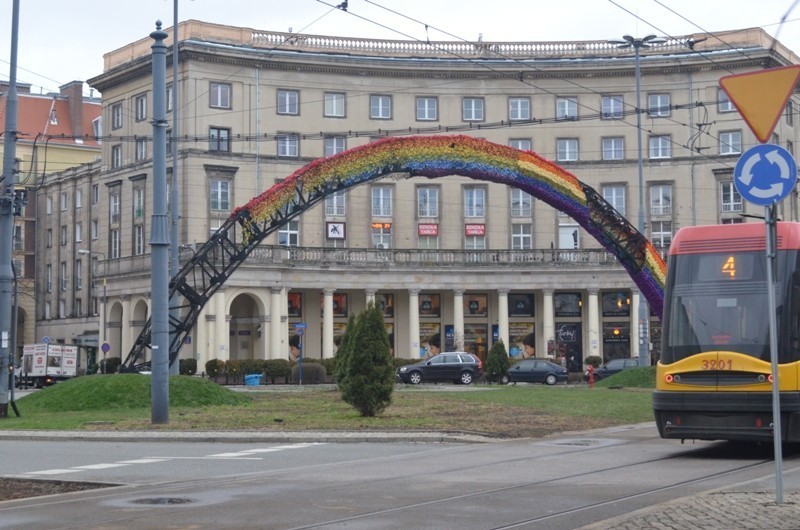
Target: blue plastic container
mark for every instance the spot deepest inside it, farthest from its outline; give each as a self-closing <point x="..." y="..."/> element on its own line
<point x="252" y="380"/>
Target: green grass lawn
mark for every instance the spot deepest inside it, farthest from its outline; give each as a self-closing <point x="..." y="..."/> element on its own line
<point x="122" y="402"/>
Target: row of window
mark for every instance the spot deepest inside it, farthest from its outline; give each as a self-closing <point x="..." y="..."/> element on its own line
<point x="567" y="149"/>
<point x="473" y="108"/>
<point x="520" y="201"/>
<point x="428" y="200"/>
<point x="427" y="107"/>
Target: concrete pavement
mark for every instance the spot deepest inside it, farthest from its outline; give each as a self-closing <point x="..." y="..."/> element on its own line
<point x="749" y="506"/>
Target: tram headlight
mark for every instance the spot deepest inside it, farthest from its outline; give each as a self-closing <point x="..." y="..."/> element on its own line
<point x="761" y="378"/>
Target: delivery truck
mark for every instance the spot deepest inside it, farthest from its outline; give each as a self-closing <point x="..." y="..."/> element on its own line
<point x="46" y="364"/>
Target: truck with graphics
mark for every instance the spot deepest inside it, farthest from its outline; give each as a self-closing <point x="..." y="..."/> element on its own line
<point x="46" y="364"/>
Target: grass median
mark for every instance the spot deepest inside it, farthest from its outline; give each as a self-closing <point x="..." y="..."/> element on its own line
<point x="122" y="402"/>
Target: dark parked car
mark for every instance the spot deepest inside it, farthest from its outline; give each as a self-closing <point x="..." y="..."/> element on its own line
<point x="611" y="367"/>
<point x="459" y="367"/>
<point x="537" y="371"/>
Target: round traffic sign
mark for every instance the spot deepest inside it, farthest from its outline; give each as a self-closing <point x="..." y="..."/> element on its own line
<point x="46" y="339"/>
<point x="765" y="174"/>
<point x="106" y="347"/>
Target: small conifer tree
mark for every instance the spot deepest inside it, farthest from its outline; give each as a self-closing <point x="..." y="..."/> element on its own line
<point x="369" y="370"/>
<point x="497" y="363"/>
<point x="340" y="366"/>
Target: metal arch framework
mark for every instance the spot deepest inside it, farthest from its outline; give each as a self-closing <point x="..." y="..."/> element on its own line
<point x="430" y="156"/>
<point x="211" y="265"/>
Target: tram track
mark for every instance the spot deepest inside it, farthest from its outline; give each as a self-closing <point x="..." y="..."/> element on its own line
<point x="340" y="503"/>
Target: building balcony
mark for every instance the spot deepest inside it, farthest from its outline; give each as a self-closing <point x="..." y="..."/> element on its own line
<point x="281" y="257"/>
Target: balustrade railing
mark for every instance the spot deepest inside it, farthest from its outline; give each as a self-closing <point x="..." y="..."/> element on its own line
<point x="449" y="49"/>
<point x="370" y="257"/>
<point x="365" y="258"/>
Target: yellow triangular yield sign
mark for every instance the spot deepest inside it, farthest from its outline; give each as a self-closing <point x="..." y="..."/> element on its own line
<point x="761" y="96"/>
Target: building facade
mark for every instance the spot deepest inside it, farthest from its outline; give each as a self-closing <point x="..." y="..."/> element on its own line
<point x="471" y="260"/>
<point x="54" y="132"/>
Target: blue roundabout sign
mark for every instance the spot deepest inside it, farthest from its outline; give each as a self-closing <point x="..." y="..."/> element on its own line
<point x="765" y="174"/>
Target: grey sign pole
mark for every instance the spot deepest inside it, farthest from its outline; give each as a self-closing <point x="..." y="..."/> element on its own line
<point x="159" y="238"/>
<point x="6" y="214"/>
<point x="772" y="230"/>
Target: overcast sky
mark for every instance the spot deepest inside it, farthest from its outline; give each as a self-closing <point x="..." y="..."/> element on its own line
<point x="62" y="41"/>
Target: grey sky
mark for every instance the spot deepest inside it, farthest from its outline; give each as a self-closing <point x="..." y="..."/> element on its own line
<point x="59" y="43"/>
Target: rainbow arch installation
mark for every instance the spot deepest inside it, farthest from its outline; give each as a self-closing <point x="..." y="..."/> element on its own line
<point x="426" y="156"/>
<point x="438" y="156"/>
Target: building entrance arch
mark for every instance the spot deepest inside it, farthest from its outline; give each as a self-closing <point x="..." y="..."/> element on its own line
<point x="414" y="156"/>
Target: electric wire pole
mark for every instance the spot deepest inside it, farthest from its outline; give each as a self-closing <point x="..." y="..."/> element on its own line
<point x="7" y="215"/>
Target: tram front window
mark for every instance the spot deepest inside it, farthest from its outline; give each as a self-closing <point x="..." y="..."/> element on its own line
<point x="729" y="321"/>
<point x="716" y="302"/>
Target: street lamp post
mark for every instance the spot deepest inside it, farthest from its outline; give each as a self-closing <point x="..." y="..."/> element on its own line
<point x="103" y="326"/>
<point x="644" y="311"/>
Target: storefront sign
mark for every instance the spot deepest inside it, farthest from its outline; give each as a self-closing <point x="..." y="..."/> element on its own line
<point x="475" y="230"/>
<point x="428" y="230"/>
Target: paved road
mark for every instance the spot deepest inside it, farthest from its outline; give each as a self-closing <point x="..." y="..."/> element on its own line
<point x="615" y="478"/>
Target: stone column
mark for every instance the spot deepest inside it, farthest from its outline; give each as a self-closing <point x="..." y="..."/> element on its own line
<point x="413" y="323"/>
<point x="201" y="341"/>
<point x="594" y="323"/>
<point x="221" y="323"/>
<point x="502" y="317"/>
<point x="275" y="342"/>
<point x="548" y="323"/>
<point x="327" y="323"/>
<point x="211" y="324"/>
<point x="458" y="320"/>
<point x="370" y="296"/>
<point x="635" y="300"/>
<point x="125" y="328"/>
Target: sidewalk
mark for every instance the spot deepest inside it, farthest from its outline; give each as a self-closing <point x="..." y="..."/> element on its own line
<point x="722" y="510"/>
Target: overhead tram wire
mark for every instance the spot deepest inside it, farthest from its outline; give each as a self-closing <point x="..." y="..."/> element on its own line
<point x="691" y="47"/>
<point x="434" y="129"/>
<point x="782" y="21"/>
<point x="738" y="50"/>
<point x="688" y="44"/>
<point x="587" y="89"/>
<point x="266" y="50"/>
<point x="513" y="59"/>
<point x="709" y="33"/>
<point x="456" y="128"/>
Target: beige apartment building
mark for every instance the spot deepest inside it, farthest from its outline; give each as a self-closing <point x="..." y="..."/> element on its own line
<point x="55" y="131"/>
<point x="473" y="260"/>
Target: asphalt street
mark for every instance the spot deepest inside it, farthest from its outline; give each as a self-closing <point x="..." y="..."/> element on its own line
<point x="623" y="478"/>
<point x="614" y="478"/>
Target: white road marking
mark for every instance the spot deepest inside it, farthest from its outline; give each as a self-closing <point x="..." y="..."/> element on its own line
<point x="241" y="455"/>
<point x="280" y="448"/>
<point x="52" y="472"/>
<point x="101" y="466"/>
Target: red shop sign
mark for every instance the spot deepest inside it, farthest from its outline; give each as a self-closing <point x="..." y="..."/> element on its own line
<point x="428" y="230"/>
<point x="475" y="230"/>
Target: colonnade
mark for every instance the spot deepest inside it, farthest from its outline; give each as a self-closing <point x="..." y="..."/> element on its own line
<point x="212" y="334"/>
